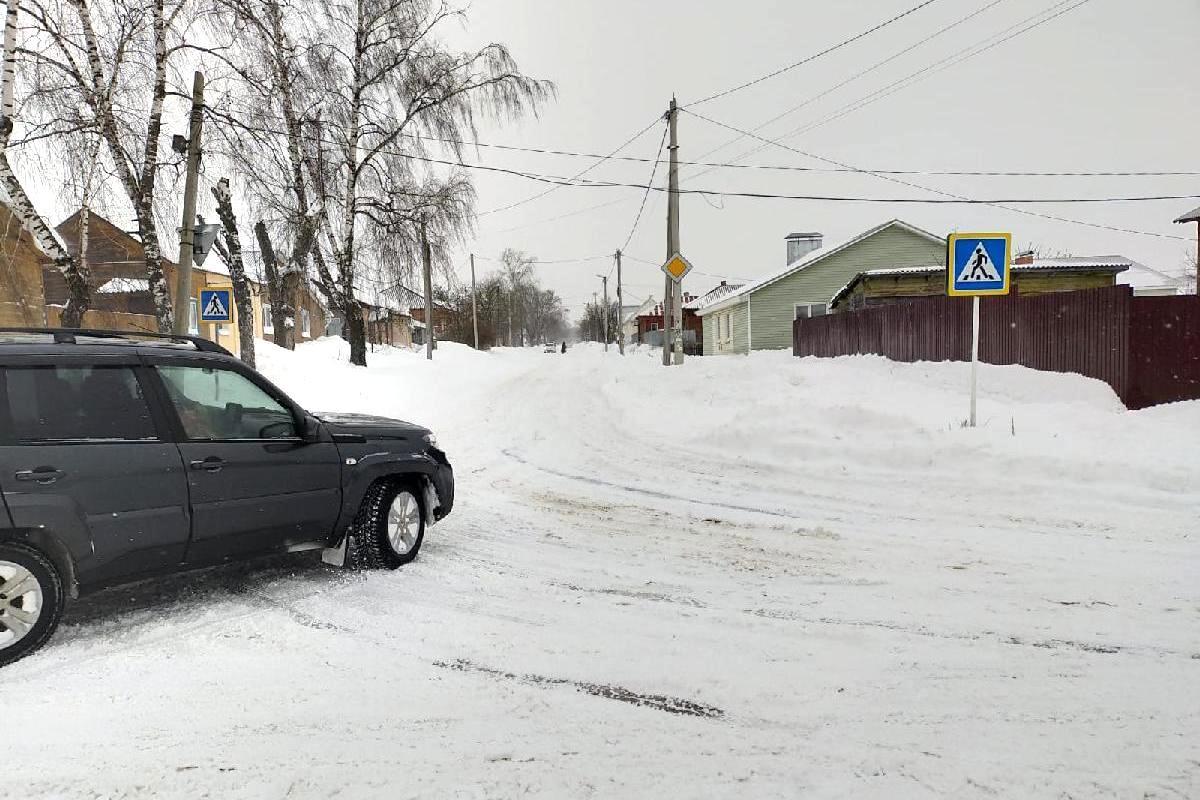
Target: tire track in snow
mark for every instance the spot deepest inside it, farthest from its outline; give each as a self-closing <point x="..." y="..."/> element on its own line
<point x="659" y="702"/>
<point x="646" y="492"/>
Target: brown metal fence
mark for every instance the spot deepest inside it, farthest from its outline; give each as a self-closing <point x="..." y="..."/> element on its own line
<point x="1146" y="348"/>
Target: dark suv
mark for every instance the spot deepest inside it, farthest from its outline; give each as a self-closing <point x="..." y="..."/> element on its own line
<point x="124" y="456"/>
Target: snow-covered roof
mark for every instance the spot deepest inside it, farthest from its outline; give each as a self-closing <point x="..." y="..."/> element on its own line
<point x="811" y="258"/>
<point x="713" y="295"/>
<point x="1139" y="276"/>
<point x="389" y="296"/>
<point x="1114" y="264"/>
<point x="637" y="311"/>
<point x="124" y="286"/>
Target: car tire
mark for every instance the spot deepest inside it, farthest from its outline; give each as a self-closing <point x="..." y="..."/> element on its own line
<point x="389" y="528"/>
<point x="33" y="611"/>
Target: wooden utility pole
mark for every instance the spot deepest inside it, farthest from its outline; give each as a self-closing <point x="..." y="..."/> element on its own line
<point x="474" y="305"/>
<point x="183" y="274"/>
<point x="604" y="278"/>
<point x="427" y="268"/>
<point x="673" y="291"/>
<point x="620" y="309"/>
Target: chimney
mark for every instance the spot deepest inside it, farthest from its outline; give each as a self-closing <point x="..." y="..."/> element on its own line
<point x="1024" y="257"/>
<point x="801" y="244"/>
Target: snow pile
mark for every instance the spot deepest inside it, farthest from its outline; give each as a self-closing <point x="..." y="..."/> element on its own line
<point x="745" y="577"/>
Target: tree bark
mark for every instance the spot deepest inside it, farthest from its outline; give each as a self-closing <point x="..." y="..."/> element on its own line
<point x="356" y="334"/>
<point x="283" y="314"/>
<point x="237" y="270"/>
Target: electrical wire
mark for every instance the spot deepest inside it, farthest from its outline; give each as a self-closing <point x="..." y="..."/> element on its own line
<point x="856" y="76"/>
<point x="949" y="197"/>
<point x="577" y="175"/>
<point x="815" y="56"/>
<point x="649" y="183"/>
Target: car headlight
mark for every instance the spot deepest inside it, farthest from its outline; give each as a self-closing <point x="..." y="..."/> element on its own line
<point x="431" y="440"/>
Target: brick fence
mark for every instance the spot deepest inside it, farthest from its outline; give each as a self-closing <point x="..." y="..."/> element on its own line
<point x="1146" y="348"/>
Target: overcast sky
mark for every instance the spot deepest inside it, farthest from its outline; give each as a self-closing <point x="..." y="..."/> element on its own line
<point x="1108" y="86"/>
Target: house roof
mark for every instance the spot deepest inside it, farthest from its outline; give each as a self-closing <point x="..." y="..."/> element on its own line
<point x="689" y="301"/>
<point x="713" y="295"/>
<point x="636" y="311"/>
<point x="1112" y="264"/>
<point x="1191" y="216"/>
<point x="806" y="261"/>
<point x="1139" y="276"/>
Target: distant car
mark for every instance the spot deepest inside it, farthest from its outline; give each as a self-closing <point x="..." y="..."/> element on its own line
<point x="127" y="455"/>
<point x="550" y="347"/>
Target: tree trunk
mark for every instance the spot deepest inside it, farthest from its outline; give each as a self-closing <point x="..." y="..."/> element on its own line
<point x="356" y="333"/>
<point x="237" y="270"/>
<point x="283" y="315"/>
<point x="71" y="268"/>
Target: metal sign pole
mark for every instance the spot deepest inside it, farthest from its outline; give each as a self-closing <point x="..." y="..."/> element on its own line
<point x="974" y="354"/>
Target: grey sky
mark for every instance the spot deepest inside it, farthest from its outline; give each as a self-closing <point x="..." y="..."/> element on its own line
<point x="1107" y="86"/>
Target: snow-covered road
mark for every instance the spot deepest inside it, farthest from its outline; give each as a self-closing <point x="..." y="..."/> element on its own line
<point x="750" y="577"/>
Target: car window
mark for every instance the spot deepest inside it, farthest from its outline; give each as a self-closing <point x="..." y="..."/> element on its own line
<point x="222" y="404"/>
<point x="54" y="404"/>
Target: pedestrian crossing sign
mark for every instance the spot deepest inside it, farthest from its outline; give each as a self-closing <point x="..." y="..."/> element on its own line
<point x="979" y="263"/>
<point x="215" y="305"/>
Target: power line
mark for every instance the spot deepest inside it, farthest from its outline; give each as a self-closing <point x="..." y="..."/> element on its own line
<point x="782" y="167"/>
<point x="859" y="74"/>
<point x="942" y="65"/>
<point x="948" y="196"/>
<point x="577" y="175"/>
<point x="815" y="56"/>
<point x="649" y="183"/>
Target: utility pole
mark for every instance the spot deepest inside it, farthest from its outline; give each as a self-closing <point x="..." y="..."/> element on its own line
<point x="428" y="270"/>
<point x="474" y="306"/>
<point x="673" y="291"/>
<point x="620" y="309"/>
<point x="183" y="275"/>
<point x="604" y="278"/>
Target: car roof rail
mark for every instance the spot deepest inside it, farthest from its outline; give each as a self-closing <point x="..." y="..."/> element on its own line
<point x="67" y="336"/>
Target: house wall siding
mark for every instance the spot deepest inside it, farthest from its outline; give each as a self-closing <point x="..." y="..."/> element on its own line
<point x="774" y="305"/>
<point x="737" y="345"/>
<point x="22" y="302"/>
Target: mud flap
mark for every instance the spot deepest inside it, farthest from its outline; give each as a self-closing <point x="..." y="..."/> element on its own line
<point x="336" y="556"/>
<point x="432" y="503"/>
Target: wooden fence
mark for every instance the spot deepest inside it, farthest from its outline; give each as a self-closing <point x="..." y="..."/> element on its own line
<point x="1146" y="348"/>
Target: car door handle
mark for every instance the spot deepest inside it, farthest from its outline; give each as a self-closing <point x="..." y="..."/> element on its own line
<point x="210" y="464"/>
<point x="40" y="474"/>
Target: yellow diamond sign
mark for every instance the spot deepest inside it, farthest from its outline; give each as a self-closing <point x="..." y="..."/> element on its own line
<point x="676" y="267"/>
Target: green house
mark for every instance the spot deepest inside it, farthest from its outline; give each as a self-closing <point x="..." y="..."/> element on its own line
<point x="759" y="316"/>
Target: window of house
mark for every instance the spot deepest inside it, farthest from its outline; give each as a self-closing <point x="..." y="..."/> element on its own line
<point x="220" y="404"/>
<point x="194" y="317"/>
<point x="268" y="322"/>
<point x="54" y="404"/>
<point x="305" y="324"/>
<point x="810" y="310"/>
<point x="653" y="326"/>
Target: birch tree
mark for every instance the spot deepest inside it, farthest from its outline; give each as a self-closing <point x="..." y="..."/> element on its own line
<point x="72" y="269"/>
<point x="109" y="72"/>
<point x="262" y="125"/>
<point x="388" y="83"/>
<point x="231" y="252"/>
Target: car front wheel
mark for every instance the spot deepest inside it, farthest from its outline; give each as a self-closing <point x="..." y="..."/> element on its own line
<point x="390" y="527"/>
<point x="31" y="600"/>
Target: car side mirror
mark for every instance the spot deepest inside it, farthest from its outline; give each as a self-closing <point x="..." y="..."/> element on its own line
<point x="310" y="429"/>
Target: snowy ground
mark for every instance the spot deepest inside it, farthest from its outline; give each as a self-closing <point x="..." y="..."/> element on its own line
<point x="762" y="577"/>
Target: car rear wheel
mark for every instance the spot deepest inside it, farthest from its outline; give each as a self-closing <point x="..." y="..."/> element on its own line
<point x="31" y="600"/>
<point x="390" y="527"/>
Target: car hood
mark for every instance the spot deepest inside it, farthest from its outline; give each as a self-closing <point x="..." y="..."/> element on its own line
<point x="370" y="426"/>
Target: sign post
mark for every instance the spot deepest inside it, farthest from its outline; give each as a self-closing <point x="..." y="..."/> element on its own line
<point x="978" y="265"/>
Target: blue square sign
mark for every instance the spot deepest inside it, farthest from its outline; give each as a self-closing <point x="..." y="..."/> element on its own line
<point x="216" y="305"/>
<point x="979" y="263"/>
